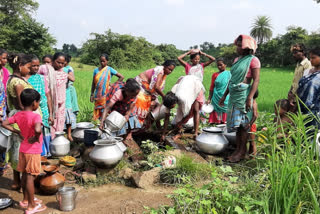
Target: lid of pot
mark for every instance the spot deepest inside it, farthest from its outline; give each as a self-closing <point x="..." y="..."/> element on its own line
<point x="212" y="130"/>
<point x="85" y="125"/>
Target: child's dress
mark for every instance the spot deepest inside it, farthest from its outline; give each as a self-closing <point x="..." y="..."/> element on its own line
<point x="196" y="70"/>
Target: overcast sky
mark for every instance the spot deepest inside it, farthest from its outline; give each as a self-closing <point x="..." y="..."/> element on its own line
<point x="180" y="22"/>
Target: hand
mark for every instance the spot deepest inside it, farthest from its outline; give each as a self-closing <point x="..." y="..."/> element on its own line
<point x="221" y="101"/>
<point x="201" y="53"/>
<point x="101" y="127"/>
<point x="249" y="104"/>
<point x="91" y="98"/>
<point x="291" y="98"/>
<point x="127" y="117"/>
<point x="208" y="102"/>
<point x="51" y="121"/>
<point x="163" y="138"/>
<point x="189" y="52"/>
<point x="33" y="140"/>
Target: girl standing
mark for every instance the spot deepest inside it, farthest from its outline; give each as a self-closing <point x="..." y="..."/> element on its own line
<point x="219" y="84"/>
<point x="58" y="84"/>
<point x="4" y="73"/>
<point x="41" y="86"/>
<point x="196" y="68"/>
<point x="309" y="89"/>
<point x="72" y="107"/>
<point x="20" y="64"/>
<point x="100" y="85"/>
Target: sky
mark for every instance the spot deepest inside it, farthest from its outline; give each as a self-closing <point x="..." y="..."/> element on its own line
<point x="183" y="23"/>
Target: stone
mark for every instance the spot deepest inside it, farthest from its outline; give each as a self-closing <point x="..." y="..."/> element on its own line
<point x="87" y="176"/>
<point x="126" y="173"/>
<point x="147" y="179"/>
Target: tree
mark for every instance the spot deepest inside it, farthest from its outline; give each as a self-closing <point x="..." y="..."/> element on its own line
<point x="19" y="32"/>
<point x="261" y="29"/>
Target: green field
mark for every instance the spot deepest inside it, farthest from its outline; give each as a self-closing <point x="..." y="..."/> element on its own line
<point x="274" y="84"/>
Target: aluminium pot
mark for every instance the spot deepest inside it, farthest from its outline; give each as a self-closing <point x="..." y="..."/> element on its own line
<point x="114" y="122"/>
<point x="60" y="146"/>
<point x="159" y="112"/>
<point x="106" y="153"/>
<point x="66" y="197"/>
<point x="78" y="133"/>
<point x="212" y="141"/>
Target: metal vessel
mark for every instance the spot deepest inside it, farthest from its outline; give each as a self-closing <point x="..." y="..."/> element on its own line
<point x="212" y="141"/>
<point x="60" y="146"/>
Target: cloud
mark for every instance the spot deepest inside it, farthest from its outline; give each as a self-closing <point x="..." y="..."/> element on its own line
<point x="175" y="2"/>
<point x="84" y="23"/>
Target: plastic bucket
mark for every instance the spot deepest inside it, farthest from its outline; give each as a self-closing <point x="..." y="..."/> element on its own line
<point x="90" y="136"/>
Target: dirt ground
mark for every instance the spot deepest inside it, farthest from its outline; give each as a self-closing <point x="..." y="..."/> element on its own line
<point x="109" y="199"/>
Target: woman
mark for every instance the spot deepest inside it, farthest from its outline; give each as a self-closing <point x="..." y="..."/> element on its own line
<point x="40" y="85"/>
<point x="219" y="84"/>
<point x="100" y="85"/>
<point x="152" y="83"/>
<point x="309" y="89"/>
<point x="189" y="93"/>
<point x="245" y="75"/>
<point x="20" y="64"/>
<point x="121" y="97"/>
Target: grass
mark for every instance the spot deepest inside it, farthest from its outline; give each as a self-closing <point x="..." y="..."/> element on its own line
<point x="274" y="84"/>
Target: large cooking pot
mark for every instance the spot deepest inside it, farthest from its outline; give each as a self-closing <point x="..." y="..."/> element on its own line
<point x="231" y="137"/>
<point x="106" y="153"/>
<point x="60" y="146"/>
<point x="78" y="133"/>
<point x="114" y="122"/>
<point x="212" y="141"/>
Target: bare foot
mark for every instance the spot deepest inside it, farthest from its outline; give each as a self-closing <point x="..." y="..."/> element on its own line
<point x="236" y="158"/>
<point x="176" y="137"/>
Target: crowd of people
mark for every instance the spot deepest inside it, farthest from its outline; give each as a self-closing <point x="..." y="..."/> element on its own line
<point x="36" y="101"/>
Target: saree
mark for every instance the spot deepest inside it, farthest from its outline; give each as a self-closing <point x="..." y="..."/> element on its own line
<point x="71" y="94"/>
<point x="220" y="87"/>
<point x="101" y="81"/>
<point x="37" y="81"/>
<point x="239" y="91"/>
<point x="147" y="94"/>
<point x="309" y="93"/>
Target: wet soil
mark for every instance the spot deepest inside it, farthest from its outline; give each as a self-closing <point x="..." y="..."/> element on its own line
<point x="108" y="199"/>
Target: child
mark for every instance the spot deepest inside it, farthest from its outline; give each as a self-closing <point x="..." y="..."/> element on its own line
<point x="253" y="126"/>
<point x="4" y="73"/>
<point x="196" y="68"/>
<point x="121" y="97"/>
<point x="72" y="107"/>
<point x="30" y="148"/>
<point x="39" y="83"/>
<point x="58" y="86"/>
<point x="219" y="84"/>
<point x="281" y="108"/>
<point x="47" y="59"/>
<point x="100" y="85"/>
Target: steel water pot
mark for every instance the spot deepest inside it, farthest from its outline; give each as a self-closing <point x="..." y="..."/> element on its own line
<point x="114" y="122"/>
<point x="66" y="197"/>
<point x="60" y="146"/>
<point x="212" y="141"/>
<point x="78" y="133"/>
<point x="106" y="153"/>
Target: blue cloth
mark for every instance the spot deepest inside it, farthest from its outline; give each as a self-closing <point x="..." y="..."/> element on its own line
<point x="309" y="93"/>
<point x="112" y="71"/>
<point x="133" y="123"/>
<point x="46" y="141"/>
